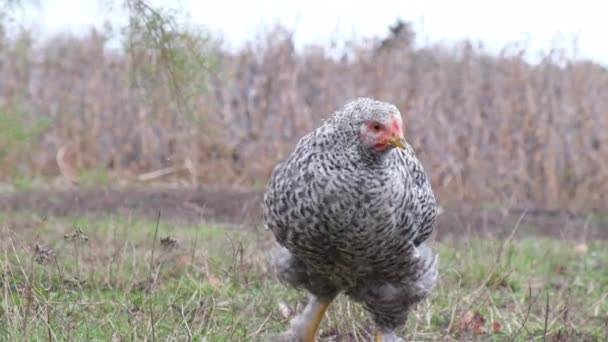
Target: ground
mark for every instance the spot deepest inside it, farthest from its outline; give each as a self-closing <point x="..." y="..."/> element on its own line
<point x="98" y="265"/>
<point x="187" y="206"/>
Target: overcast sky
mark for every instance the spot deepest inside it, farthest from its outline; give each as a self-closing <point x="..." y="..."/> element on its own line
<point x="540" y="23"/>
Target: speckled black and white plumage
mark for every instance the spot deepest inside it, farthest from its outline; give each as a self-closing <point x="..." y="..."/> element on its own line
<point x="350" y="220"/>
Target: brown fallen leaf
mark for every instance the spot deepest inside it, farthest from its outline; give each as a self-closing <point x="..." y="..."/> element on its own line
<point x="213" y="280"/>
<point x="466" y="319"/>
<point x="285" y="311"/>
<point x="184" y="260"/>
<point x="473" y="321"/>
<point x="581" y="248"/>
<point x="559" y="269"/>
<point x="496" y="327"/>
<point x="479" y="328"/>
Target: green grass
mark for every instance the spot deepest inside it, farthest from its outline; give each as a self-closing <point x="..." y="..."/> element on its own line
<point x="105" y="279"/>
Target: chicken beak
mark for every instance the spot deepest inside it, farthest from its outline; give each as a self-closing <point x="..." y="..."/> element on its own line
<point x="398" y="142"/>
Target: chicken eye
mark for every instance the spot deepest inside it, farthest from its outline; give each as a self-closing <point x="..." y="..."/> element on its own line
<point x="376" y="126"/>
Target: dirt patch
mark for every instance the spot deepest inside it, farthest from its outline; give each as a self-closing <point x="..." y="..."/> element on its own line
<point x="196" y="205"/>
<point x="529" y="222"/>
<point x="176" y="205"/>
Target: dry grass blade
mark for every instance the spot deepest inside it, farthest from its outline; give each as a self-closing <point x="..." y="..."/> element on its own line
<point x="151" y="278"/>
<point x="48" y="323"/>
<point x="546" y="319"/>
<point x="525" y="320"/>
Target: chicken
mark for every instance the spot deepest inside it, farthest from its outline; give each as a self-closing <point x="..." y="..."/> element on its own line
<point x="351" y="209"/>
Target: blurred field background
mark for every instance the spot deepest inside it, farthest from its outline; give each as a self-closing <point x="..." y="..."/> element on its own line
<point x="96" y="140"/>
<point x="491" y="129"/>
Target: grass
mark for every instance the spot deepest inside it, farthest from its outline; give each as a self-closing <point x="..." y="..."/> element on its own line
<point x="110" y="279"/>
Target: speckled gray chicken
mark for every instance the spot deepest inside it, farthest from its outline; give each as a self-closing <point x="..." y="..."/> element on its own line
<point x="351" y="209"/>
